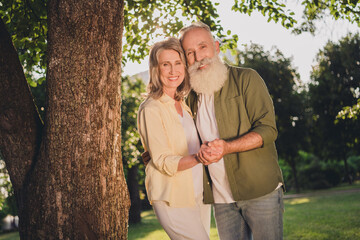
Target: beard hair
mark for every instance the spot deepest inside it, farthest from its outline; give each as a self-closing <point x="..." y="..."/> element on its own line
<point x="210" y="79"/>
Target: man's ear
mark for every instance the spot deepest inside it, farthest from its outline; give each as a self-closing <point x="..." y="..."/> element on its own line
<point x="217" y="46"/>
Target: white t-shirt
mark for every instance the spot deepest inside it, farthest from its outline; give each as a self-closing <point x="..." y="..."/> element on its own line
<point x="193" y="147"/>
<point x="208" y="131"/>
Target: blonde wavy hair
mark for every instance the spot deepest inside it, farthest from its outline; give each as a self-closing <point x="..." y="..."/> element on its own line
<point x="155" y="87"/>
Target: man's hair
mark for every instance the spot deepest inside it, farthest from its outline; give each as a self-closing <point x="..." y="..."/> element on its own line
<point x="194" y="25"/>
<point x="155" y="87"/>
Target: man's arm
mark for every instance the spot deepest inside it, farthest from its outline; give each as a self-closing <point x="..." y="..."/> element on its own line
<point x="146" y="157"/>
<point x="260" y="111"/>
<point x="217" y="149"/>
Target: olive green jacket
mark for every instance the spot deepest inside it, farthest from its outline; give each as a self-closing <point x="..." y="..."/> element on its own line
<point x="244" y="105"/>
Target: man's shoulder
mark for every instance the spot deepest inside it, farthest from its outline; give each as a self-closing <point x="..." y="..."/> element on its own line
<point x="191" y="97"/>
<point x="241" y="71"/>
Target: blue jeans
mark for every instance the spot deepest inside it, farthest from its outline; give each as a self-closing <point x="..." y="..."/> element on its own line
<point x="258" y="219"/>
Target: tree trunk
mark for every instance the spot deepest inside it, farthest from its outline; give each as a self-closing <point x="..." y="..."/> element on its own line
<point x="74" y="188"/>
<point x="294" y="171"/>
<point x="348" y="177"/>
<point x="132" y="181"/>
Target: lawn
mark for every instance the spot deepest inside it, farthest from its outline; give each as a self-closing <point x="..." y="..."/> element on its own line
<point x="323" y="215"/>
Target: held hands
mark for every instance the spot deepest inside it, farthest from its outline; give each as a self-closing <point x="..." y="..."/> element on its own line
<point x="211" y="152"/>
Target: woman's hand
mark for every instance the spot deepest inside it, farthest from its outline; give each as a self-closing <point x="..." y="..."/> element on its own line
<point x="210" y="152"/>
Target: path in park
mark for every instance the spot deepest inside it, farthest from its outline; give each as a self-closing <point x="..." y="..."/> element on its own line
<point x="321" y="193"/>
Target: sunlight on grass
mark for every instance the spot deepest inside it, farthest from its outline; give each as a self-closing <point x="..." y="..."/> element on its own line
<point x="150" y="228"/>
<point x="297" y="201"/>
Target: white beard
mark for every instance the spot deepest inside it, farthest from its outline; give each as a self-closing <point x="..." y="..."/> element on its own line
<point x="210" y="79"/>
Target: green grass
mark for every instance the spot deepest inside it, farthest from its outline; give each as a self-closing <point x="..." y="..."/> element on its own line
<point x="322" y="215"/>
<point x="325" y="215"/>
<point x="335" y="216"/>
<point x="10" y="236"/>
<point x="150" y="228"/>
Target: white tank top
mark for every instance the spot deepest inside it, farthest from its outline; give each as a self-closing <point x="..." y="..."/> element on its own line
<point x="193" y="147"/>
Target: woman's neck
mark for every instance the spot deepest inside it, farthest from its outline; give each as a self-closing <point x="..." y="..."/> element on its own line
<point x="170" y="93"/>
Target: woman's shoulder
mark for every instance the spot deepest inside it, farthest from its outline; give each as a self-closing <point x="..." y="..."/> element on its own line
<point x="150" y="104"/>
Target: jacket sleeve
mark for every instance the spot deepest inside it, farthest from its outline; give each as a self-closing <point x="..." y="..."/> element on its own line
<point x="154" y="139"/>
<point x="259" y="106"/>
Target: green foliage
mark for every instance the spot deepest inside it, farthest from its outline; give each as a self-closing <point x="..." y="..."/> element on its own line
<point x="284" y="87"/>
<point x="274" y="10"/>
<point x="354" y="166"/>
<point x="316" y="173"/>
<point x="320" y="175"/>
<point x="146" y="20"/>
<point x="316" y="10"/>
<point x="131" y="148"/>
<point x="27" y="24"/>
<point x="7" y="197"/>
<point x="335" y="83"/>
<point x="349" y="112"/>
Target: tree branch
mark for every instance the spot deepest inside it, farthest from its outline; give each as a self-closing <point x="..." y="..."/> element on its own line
<point x="20" y="124"/>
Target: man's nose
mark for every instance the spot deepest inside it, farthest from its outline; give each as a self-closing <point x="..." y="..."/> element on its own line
<point x="198" y="57"/>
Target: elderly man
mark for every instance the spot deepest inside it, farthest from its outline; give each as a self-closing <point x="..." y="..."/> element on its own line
<point x="235" y="118"/>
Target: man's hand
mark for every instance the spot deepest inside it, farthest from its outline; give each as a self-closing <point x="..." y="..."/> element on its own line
<point x="221" y="147"/>
<point x="210" y="152"/>
<point x="146" y="157"/>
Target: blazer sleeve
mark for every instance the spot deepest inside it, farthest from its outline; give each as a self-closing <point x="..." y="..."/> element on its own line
<point x="154" y="138"/>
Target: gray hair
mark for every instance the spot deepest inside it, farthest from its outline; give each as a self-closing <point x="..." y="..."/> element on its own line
<point x="194" y="25"/>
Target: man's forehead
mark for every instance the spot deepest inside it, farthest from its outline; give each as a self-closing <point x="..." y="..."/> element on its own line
<point x="193" y="38"/>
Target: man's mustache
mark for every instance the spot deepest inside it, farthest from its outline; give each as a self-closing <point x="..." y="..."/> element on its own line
<point x="197" y="64"/>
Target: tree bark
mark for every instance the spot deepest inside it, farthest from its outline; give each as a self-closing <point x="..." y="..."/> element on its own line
<point x="20" y="124"/>
<point x="74" y="187"/>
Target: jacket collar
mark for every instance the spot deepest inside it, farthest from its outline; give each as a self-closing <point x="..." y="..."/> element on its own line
<point x="166" y="99"/>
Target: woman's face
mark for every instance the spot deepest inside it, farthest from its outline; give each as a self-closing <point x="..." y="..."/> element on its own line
<point x="172" y="71"/>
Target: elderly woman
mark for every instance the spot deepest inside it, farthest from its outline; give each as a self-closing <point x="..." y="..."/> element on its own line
<point x="174" y="175"/>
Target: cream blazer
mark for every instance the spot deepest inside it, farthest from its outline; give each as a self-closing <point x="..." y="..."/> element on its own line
<point x="162" y="134"/>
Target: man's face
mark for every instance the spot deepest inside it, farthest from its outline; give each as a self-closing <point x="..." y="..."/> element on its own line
<point x="198" y="44"/>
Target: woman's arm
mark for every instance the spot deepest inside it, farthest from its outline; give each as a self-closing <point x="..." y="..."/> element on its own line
<point x="187" y="162"/>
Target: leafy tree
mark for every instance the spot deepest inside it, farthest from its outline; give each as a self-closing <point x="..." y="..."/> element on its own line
<point x="335" y="83"/>
<point x="26" y="22"/>
<point x="284" y="85"/>
<point x="67" y="174"/>
<point x="315" y="11"/>
<point x="131" y="146"/>
<point x="349" y="112"/>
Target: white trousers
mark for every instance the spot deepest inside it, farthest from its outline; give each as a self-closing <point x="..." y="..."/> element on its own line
<point x="185" y="223"/>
